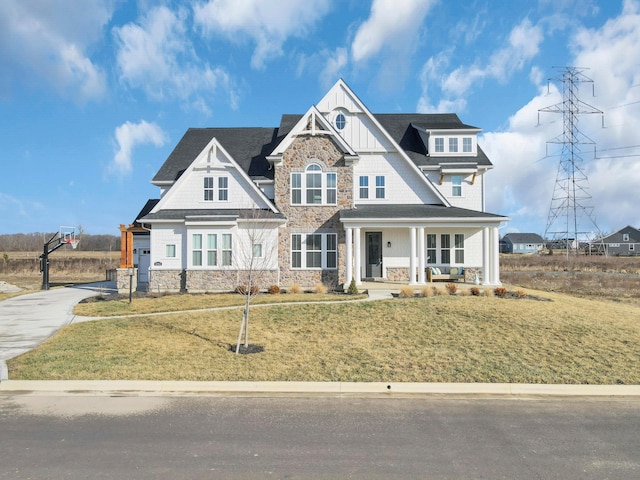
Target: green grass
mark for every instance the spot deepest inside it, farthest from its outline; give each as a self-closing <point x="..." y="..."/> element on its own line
<point x="437" y="339"/>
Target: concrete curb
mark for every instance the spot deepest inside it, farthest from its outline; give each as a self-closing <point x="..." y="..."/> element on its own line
<point x="187" y="388"/>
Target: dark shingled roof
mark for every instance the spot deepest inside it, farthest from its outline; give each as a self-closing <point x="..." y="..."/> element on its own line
<point x="209" y="214"/>
<point x="250" y="146"/>
<point x="413" y="212"/>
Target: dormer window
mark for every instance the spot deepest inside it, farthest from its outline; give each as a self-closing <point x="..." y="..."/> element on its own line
<point x="466" y="145"/>
<point x="453" y="144"/>
<point x="439" y="144"/>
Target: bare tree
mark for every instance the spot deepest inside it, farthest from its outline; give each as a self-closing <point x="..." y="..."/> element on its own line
<point x="255" y="252"/>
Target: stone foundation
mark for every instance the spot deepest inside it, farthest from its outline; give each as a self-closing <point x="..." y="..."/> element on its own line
<point x="204" y="281"/>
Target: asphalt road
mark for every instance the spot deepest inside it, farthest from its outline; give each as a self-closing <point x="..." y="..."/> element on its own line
<point x="51" y="437"/>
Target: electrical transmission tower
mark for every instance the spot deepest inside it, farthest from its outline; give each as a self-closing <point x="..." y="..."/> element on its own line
<point x="571" y="207"/>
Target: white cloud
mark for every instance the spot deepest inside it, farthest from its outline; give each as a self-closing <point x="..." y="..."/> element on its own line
<point x="157" y="56"/>
<point x="518" y="153"/>
<point x="523" y="45"/>
<point x="46" y="43"/>
<point x="129" y="136"/>
<point x="268" y="24"/>
<point x="391" y="25"/>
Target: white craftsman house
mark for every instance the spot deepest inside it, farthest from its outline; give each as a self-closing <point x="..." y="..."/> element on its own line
<point x="335" y="194"/>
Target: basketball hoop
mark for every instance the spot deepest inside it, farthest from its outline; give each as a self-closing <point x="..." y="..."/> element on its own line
<point x="73" y="242"/>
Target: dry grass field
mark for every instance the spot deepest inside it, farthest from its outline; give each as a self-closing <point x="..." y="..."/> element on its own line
<point x="568" y="328"/>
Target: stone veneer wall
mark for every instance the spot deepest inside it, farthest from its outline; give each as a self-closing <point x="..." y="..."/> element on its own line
<point x="123" y="279"/>
<point x="200" y="281"/>
<point x="166" y="280"/>
<point x="306" y="219"/>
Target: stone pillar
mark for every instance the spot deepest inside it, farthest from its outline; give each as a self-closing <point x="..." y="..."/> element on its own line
<point x="349" y="254"/>
<point x="357" y="256"/>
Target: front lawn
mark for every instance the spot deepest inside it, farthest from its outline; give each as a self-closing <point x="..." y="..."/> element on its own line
<point x="436" y="339"/>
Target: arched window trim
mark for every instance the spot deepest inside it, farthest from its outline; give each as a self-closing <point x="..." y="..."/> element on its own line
<point x="314" y="186"/>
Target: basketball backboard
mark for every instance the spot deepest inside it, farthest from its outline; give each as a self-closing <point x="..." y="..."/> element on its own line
<point x="68" y="235"/>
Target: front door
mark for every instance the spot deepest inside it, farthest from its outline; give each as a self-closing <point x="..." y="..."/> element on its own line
<point x="373" y="242"/>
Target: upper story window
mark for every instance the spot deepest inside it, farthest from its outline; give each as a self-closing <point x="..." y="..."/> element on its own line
<point x="340" y="121"/>
<point x="453" y="144"/>
<point x="314" y="187"/>
<point x="210" y="189"/>
<point x="439" y="144"/>
<point x="467" y="146"/>
<point x="456" y="185"/>
<point x="625" y="237"/>
<point x="364" y="186"/>
<point x="379" y="186"/>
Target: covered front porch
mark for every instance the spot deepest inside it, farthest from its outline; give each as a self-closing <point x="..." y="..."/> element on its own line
<point x="384" y="243"/>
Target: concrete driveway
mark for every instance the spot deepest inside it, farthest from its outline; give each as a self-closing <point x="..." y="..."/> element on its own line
<point x="28" y="320"/>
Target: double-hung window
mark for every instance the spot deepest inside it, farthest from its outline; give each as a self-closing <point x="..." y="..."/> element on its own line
<point x="439" y="144"/>
<point x="431" y="248"/>
<point x="223" y="189"/>
<point x="210" y="186"/>
<point x="226" y="249"/>
<point x="314" y="251"/>
<point x="364" y="186"/>
<point x="196" y="249"/>
<point x="379" y="186"/>
<point x="208" y="189"/>
<point x="314" y="187"/>
<point x="458" y="248"/>
<point x="445" y="248"/>
<point x="453" y="144"/>
<point x="456" y="185"/>
<point x="466" y="145"/>
<point x="211" y="249"/>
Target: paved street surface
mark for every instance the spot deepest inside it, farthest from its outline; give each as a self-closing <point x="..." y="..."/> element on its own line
<point x="435" y="437"/>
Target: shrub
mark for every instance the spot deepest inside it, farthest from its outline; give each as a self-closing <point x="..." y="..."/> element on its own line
<point x="452" y="288"/>
<point x="353" y="289"/>
<point x="427" y="291"/>
<point x="242" y="289"/>
<point x="488" y="292"/>
<point x="521" y="294"/>
<point x="296" y="288"/>
<point x="321" y="288"/>
<point x="475" y="291"/>
<point x="274" y="289"/>
<point x="500" y="291"/>
<point x="406" y="291"/>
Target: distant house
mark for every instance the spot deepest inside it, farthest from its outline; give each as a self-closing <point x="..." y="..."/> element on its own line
<point x="624" y="242"/>
<point x="521" y="243"/>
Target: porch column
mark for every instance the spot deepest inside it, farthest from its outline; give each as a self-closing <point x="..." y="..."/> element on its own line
<point x="357" y="255"/>
<point x="495" y="250"/>
<point x="412" y="256"/>
<point x="485" y="256"/>
<point x="348" y="274"/>
<point x="421" y="253"/>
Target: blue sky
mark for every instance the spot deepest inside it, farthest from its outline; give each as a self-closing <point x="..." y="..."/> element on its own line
<point x="95" y="94"/>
